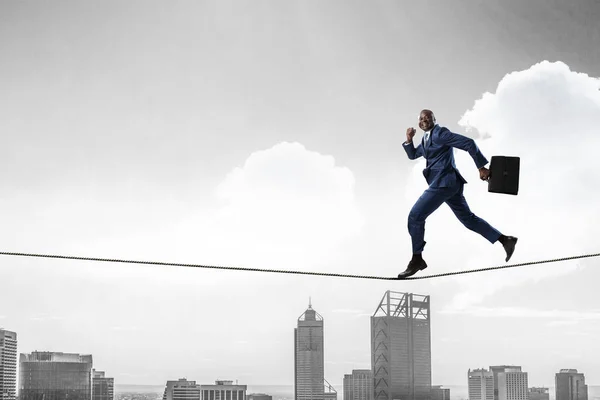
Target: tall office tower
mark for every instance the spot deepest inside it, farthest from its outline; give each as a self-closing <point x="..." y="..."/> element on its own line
<point x="309" y="356"/>
<point x="223" y="390"/>
<point x="539" y="393"/>
<point x="570" y="385"/>
<point x="440" y="393"/>
<point x="55" y="376"/>
<point x="496" y="369"/>
<point x="401" y="347"/>
<point x="182" y="389"/>
<point x="481" y="384"/>
<point x="8" y="365"/>
<point x="512" y="384"/>
<point x="103" y="388"/>
<point x="358" y="385"/>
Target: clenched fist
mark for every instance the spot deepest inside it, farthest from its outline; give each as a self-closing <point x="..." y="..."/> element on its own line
<point x="484" y="173"/>
<point x="410" y="133"/>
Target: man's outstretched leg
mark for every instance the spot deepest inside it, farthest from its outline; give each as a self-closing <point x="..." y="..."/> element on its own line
<point x="429" y="201"/>
<point x="459" y="206"/>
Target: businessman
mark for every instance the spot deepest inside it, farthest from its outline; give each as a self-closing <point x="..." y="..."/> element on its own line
<point x="445" y="186"/>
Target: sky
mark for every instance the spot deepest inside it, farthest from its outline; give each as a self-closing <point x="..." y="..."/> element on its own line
<point x="268" y="134"/>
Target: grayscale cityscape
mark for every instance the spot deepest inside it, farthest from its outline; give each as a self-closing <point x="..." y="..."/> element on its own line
<point x="400" y="369"/>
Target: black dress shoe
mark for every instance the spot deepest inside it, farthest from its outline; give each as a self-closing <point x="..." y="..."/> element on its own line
<point x="414" y="266"/>
<point x="509" y="246"/>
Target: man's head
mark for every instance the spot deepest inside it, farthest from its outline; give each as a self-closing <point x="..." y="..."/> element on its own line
<point x="426" y="120"/>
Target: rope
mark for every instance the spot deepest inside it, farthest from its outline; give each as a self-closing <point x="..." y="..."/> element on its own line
<point x="281" y="271"/>
<point x="470" y="271"/>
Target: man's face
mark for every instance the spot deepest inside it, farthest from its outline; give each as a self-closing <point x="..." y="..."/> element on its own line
<point x="426" y="120"/>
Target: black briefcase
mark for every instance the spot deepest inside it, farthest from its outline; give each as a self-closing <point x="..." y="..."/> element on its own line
<point x="504" y="175"/>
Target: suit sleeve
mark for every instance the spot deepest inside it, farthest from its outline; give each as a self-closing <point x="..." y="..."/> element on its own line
<point x="464" y="143"/>
<point x="411" y="151"/>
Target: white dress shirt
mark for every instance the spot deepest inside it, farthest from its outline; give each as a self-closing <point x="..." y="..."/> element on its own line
<point x="426" y="137"/>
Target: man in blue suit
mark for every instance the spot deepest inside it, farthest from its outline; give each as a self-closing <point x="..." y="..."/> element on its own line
<point x="445" y="186"/>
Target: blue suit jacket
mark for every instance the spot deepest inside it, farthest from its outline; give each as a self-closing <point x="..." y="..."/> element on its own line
<point x="441" y="170"/>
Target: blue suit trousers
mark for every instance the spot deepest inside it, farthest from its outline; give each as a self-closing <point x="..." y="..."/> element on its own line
<point x="431" y="200"/>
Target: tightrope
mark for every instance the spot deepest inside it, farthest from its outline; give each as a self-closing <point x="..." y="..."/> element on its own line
<point x="283" y="271"/>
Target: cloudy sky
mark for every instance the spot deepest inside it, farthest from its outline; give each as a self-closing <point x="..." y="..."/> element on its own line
<point x="269" y="134"/>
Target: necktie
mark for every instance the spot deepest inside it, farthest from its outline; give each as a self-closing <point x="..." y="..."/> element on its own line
<point x="426" y="137"/>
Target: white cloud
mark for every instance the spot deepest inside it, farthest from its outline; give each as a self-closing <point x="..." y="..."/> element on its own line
<point x="291" y="194"/>
<point x="548" y="116"/>
<point x="285" y="206"/>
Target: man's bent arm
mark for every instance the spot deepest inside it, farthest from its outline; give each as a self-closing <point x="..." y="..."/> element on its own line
<point x="464" y="143"/>
<point x="412" y="153"/>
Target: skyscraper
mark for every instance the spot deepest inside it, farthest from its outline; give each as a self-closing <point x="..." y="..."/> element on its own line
<point x="103" y="388"/>
<point x="183" y="389"/>
<point x="309" y="356"/>
<point x="8" y="365"/>
<point x="358" y="385"/>
<point x="496" y="369"/>
<point x="55" y="376"/>
<point x="481" y="384"/>
<point x="570" y="385"/>
<point x="401" y="347"/>
<point x="512" y="384"/>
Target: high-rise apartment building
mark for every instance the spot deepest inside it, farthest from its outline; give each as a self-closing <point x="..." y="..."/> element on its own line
<point x="481" y="384"/>
<point x="223" y="390"/>
<point x="358" y="385"/>
<point x="8" y="365"/>
<point x="440" y="393"/>
<point x="182" y="389"/>
<point x="309" y="358"/>
<point x="570" y="385"/>
<point x="401" y="347"/>
<point x="103" y="388"/>
<point x="512" y="384"/>
<point x="55" y="376"/>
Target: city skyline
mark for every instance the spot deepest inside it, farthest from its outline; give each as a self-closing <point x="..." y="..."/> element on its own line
<point x="507" y="382"/>
<point x="402" y="318"/>
<point x="393" y="305"/>
<point x="268" y="134"/>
